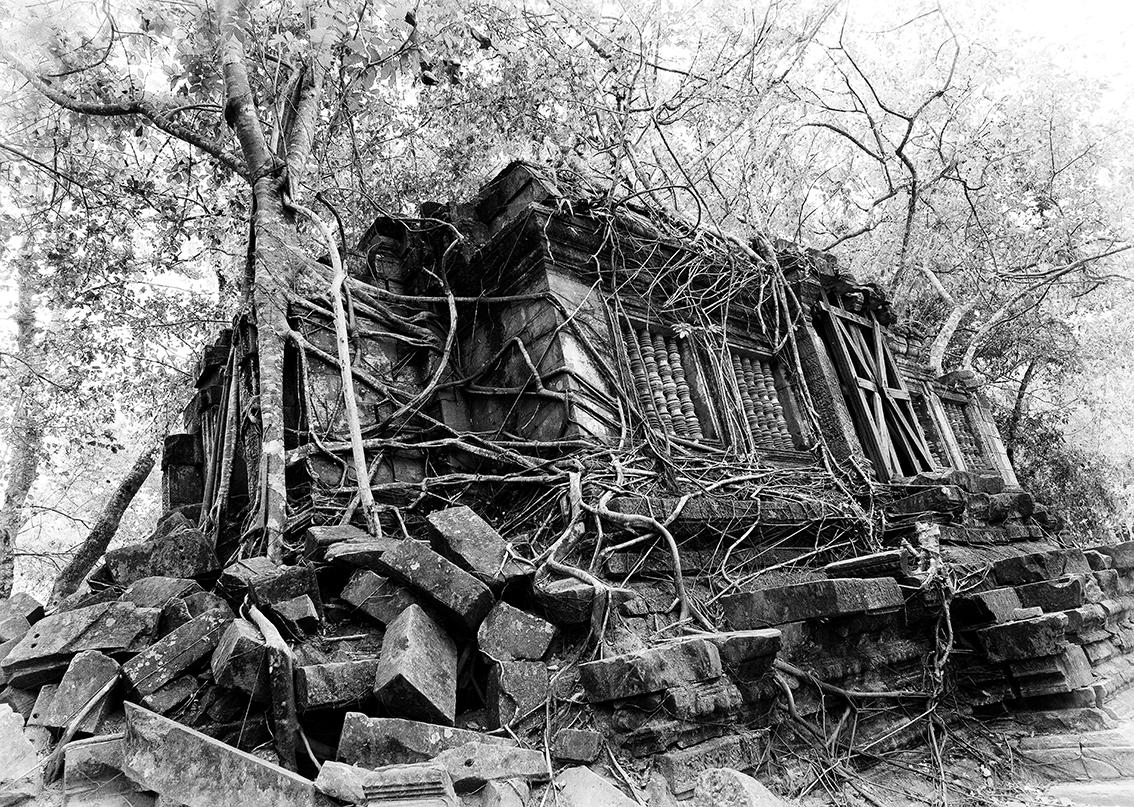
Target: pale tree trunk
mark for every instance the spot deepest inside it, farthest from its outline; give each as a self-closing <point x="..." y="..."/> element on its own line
<point x="278" y="257"/>
<point x="25" y="434"/>
<point x="105" y="528"/>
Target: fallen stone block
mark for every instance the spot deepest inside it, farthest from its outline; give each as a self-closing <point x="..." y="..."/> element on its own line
<point x="565" y="600"/>
<point x="43" y="702"/>
<point x="681" y="768"/>
<point x="896" y="563"/>
<point x="1024" y="639"/>
<point x="86" y="675"/>
<point x="505" y="793"/>
<point x="184" y="552"/>
<point x="1097" y="560"/>
<point x="201" y="601"/>
<point x="582" y="787"/>
<point x="396" y="785"/>
<point x="297" y="616"/>
<point x="473" y="764"/>
<point x="417" y="671"/>
<point x="239" y="660"/>
<point x="515" y="689"/>
<point x="378" y="597"/>
<point x="198" y="771"/>
<point x="172" y="655"/>
<point x="13" y="628"/>
<point x="1038" y="566"/>
<point x="470" y="542"/>
<point x="811" y="600"/>
<point x="576" y="745"/>
<point x="268" y="583"/>
<point x="335" y="686"/>
<point x="168" y="697"/>
<point x="372" y="742"/>
<point x="92" y="775"/>
<point x="364" y="554"/>
<point x="1059" y="595"/>
<point x="458" y="596"/>
<point x="650" y="670"/>
<point x="22" y="605"/>
<point x="18" y="759"/>
<point x="728" y="787"/>
<point x="156" y="592"/>
<point x="46" y="650"/>
<point x="509" y="634"/>
<point x="21" y="701"/>
<point x="747" y="654"/>
<point x="985" y="607"/>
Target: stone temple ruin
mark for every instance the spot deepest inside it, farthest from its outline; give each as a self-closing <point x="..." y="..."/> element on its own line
<point x="652" y="502"/>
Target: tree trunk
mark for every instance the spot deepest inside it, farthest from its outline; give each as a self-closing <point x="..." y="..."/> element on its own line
<point x="1018" y="408"/>
<point x="105" y="528"/>
<point x="25" y="435"/>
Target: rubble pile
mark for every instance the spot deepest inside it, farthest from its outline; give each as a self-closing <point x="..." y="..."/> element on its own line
<point x="435" y="669"/>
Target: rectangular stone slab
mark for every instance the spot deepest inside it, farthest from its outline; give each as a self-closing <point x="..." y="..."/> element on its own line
<point x="457" y="595"/>
<point x="22" y="605"/>
<point x="470" y="542"/>
<point x="190" y="768"/>
<point x="87" y="673"/>
<point x="650" y="670"/>
<point x="378" y="597"/>
<point x="508" y="633"/>
<point x="155" y="592"/>
<point x="184" y="552"/>
<point x="44" y="652"/>
<point x="239" y="660"/>
<point x="372" y="742"/>
<point x="335" y="686"/>
<point x="811" y="600"/>
<point x="416" y="675"/>
<point x="172" y="655"/>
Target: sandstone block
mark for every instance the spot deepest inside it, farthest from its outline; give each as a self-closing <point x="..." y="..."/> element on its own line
<point x="168" y="697"/>
<point x="811" y="600"/>
<point x="378" y="597"/>
<point x="417" y="672"/>
<point x="21" y="605"/>
<point x="172" y="655"/>
<point x="371" y="742"/>
<point x="470" y="542"/>
<point x="565" y="601"/>
<point x="728" y="787"/>
<point x="297" y="616"/>
<point x="650" y="670"/>
<point x="1059" y="595"/>
<point x="87" y="673"/>
<point x="365" y="554"/>
<point x="335" y="686"/>
<point x="984" y="607"/>
<point x="515" y="688"/>
<point x="473" y="764"/>
<point x="1024" y="639"/>
<point x="239" y="660"/>
<point x="269" y="584"/>
<point x="582" y="787"/>
<point x="184" y="552"/>
<point x="198" y="771"/>
<point x="681" y="768"/>
<point x="1121" y="555"/>
<point x="45" y="651"/>
<point x="576" y="745"/>
<point x="155" y="592"/>
<point x="423" y="783"/>
<point x="508" y="633"/>
<point x="1038" y="566"/>
<point x="747" y="654"/>
<point x="458" y="596"/>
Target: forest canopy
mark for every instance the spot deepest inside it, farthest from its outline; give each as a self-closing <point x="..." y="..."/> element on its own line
<point x="166" y="165"/>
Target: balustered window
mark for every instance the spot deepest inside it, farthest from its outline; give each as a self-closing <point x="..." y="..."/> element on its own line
<point x="729" y="397"/>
